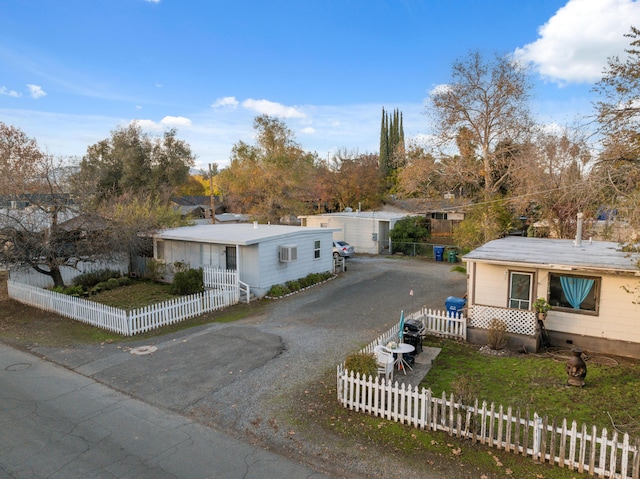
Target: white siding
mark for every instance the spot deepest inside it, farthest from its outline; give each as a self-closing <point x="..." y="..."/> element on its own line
<point x="358" y="232"/>
<point x="259" y="264"/>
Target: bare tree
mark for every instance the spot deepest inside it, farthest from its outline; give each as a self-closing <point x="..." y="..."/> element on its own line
<point x="42" y="224"/>
<point x="489" y="100"/>
<point x="619" y="110"/>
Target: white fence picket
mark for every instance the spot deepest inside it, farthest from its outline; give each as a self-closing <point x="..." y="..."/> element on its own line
<point x="562" y="446"/>
<point x="127" y="323"/>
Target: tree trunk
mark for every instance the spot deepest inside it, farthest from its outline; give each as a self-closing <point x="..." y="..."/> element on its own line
<point x="56" y="276"/>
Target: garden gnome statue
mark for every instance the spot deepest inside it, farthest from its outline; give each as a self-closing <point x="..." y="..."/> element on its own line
<point x="576" y="369"/>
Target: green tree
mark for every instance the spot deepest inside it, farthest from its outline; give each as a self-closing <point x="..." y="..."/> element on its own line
<point x="482" y="223"/>
<point x="392" y="146"/>
<point x="408" y="234"/>
<point x="131" y="161"/>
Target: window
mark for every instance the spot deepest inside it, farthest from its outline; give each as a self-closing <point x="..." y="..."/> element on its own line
<point x="160" y="249"/>
<point x="520" y="290"/>
<point x="576" y="294"/>
<point x="316" y="249"/>
<point x="439" y="216"/>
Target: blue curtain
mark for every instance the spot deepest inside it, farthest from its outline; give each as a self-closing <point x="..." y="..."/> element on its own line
<point x="576" y="289"/>
<point x="401" y="330"/>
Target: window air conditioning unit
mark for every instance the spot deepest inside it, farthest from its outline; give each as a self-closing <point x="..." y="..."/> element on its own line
<point x="288" y="253"/>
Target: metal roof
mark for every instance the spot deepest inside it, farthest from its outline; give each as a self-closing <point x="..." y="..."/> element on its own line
<point x="367" y="215"/>
<point x="557" y="254"/>
<point x="241" y="233"/>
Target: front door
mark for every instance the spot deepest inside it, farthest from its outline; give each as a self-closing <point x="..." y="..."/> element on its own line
<point x="231" y="257"/>
<point x="520" y="290"/>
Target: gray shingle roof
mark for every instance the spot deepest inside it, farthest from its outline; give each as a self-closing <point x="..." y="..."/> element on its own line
<point x="557" y="254"/>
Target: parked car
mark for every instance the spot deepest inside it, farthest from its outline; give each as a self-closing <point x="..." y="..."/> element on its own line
<point x="342" y="248"/>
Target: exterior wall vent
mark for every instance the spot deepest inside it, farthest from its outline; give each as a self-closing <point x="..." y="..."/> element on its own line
<point x="288" y="253"/>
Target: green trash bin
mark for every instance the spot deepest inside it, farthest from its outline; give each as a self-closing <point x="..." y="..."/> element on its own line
<point x="452" y="256"/>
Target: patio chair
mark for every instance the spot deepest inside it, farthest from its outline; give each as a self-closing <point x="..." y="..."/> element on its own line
<point x="385" y="362"/>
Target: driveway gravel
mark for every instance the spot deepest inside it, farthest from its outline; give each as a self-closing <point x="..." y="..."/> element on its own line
<point x="244" y="377"/>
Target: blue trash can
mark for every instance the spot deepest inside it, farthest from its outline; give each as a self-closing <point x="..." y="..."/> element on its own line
<point x="438" y="253"/>
<point x="455" y="305"/>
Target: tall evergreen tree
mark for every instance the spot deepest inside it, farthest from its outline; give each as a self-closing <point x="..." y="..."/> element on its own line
<point x="391" y="144"/>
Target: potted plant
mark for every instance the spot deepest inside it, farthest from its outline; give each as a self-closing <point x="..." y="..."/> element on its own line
<point x="541" y="306"/>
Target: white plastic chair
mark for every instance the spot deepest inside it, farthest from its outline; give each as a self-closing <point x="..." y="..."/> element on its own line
<point x="385" y="362"/>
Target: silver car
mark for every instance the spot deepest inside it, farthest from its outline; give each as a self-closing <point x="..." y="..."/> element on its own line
<point x="342" y="248"/>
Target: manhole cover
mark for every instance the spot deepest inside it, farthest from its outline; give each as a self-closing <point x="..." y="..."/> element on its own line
<point x="18" y="367"/>
<point x="142" y="350"/>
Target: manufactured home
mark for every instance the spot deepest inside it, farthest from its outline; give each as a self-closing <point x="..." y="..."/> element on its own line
<point x="593" y="288"/>
<point x="263" y="255"/>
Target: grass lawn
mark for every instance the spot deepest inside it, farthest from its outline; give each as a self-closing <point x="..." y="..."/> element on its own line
<point x="24" y="326"/>
<point x="537" y="383"/>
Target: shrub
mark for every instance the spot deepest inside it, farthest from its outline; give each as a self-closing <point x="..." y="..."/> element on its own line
<point x="124" y="281"/>
<point x="187" y="282"/>
<point x="70" y="290"/>
<point x="113" y="283"/>
<point x="91" y="278"/>
<point x="465" y="389"/>
<point x="278" y="290"/>
<point x="293" y="285"/>
<point x="497" y="335"/>
<point x="363" y="363"/>
<point x="153" y="270"/>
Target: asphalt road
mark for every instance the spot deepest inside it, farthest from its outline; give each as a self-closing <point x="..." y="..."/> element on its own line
<point x="239" y="377"/>
<point x="57" y="424"/>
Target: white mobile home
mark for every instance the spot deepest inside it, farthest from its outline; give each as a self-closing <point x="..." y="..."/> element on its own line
<point x="593" y="288"/>
<point x="366" y="231"/>
<point x="263" y="255"/>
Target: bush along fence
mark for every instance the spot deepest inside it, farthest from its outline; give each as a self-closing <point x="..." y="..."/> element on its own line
<point x="581" y="449"/>
<point x="127" y="323"/>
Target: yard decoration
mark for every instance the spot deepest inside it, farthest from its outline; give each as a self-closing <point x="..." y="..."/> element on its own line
<point x="576" y="369"/>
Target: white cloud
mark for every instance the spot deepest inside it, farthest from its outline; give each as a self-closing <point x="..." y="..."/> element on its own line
<point x="36" y="91"/>
<point x="440" y="89"/>
<point x="267" y="107"/>
<point x="225" y="102"/>
<point x="5" y="91"/>
<point x="152" y="1"/>
<point x="308" y="130"/>
<point x="166" y="122"/>
<point x="573" y="46"/>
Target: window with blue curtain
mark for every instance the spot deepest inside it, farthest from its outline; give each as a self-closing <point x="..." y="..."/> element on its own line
<point x="574" y="293"/>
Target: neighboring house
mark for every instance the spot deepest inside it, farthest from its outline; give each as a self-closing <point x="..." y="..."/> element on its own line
<point x="366" y="231"/>
<point x="593" y="287"/>
<point x="263" y="255"/>
<point x="196" y="207"/>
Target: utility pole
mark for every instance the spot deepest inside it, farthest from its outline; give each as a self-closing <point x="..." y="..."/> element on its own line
<point x="213" y="198"/>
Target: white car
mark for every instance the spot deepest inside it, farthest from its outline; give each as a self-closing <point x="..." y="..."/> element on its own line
<point x="342" y="248"/>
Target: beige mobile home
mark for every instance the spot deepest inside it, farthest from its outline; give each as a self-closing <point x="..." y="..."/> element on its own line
<point x="593" y="288"/>
<point x="366" y="231"/>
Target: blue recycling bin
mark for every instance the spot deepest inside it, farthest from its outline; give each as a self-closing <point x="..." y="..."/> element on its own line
<point x="438" y="253"/>
<point x="455" y="305"/>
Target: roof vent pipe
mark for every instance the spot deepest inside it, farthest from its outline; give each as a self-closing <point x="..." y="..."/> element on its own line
<point x="255" y="225"/>
<point x="579" y="230"/>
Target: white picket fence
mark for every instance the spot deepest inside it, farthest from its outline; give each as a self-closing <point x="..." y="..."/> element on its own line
<point x="225" y="279"/>
<point x="446" y="324"/>
<point x="579" y="449"/>
<point x="127" y="323"/>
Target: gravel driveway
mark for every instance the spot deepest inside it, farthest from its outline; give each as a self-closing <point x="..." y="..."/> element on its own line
<point x="240" y="376"/>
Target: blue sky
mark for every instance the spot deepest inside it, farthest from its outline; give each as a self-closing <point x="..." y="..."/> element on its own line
<point x="71" y="71"/>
